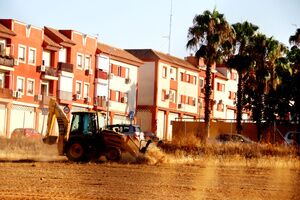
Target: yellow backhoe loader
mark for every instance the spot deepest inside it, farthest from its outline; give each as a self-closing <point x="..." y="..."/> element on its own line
<point x="83" y="140"/>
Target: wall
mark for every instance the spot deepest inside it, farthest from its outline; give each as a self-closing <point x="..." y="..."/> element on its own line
<point x="183" y="129"/>
<point x="146" y="80"/>
<point x="118" y="84"/>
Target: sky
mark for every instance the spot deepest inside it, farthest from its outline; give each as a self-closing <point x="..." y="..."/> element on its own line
<point x="138" y="24"/>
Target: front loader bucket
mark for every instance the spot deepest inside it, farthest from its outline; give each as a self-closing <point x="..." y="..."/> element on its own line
<point x="50" y="139"/>
<point x="121" y="141"/>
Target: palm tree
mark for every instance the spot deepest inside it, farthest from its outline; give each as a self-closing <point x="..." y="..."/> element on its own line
<point x="256" y="82"/>
<point x="211" y="36"/>
<point x="295" y="39"/>
<point x="241" y="62"/>
<point x="294" y="57"/>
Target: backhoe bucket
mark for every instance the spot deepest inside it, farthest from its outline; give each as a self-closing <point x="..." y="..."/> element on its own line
<point x="50" y="139"/>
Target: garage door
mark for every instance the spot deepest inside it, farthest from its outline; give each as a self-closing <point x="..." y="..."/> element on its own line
<point x="22" y="117"/>
<point x="172" y="117"/>
<point x="161" y="124"/>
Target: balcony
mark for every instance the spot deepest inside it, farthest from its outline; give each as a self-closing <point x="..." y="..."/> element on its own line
<point x="101" y="74"/>
<point x="6" y="93"/>
<point x="6" y="63"/>
<point x="43" y="99"/>
<point x="67" y="67"/>
<point x="101" y="101"/>
<point x="49" y="73"/>
<point x="65" y="96"/>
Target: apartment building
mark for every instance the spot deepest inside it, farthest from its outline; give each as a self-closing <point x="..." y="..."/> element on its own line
<point x="168" y="89"/>
<point x="231" y="92"/>
<point x="116" y="84"/>
<point x="76" y="68"/>
<point x="21" y="82"/>
<point x="145" y="86"/>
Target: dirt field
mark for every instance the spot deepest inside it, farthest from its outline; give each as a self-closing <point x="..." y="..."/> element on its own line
<point x="60" y="180"/>
<point x="160" y="176"/>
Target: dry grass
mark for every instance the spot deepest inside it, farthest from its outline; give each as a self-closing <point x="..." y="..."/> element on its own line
<point x="248" y="151"/>
<point x="229" y="154"/>
<point x="196" y="154"/>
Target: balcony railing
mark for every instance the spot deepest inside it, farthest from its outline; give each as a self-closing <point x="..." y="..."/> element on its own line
<point x="67" y="67"/>
<point x="101" y="74"/>
<point x="43" y="99"/>
<point x="6" y="93"/>
<point x="6" y="61"/>
<point x="50" y="71"/>
<point x="101" y="101"/>
<point x="63" y="95"/>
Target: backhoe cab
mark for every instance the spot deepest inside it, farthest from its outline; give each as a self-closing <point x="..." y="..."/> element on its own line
<point x="82" y="140"/>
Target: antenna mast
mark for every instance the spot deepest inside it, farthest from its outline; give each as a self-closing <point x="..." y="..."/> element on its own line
<point x="170" y="27"/>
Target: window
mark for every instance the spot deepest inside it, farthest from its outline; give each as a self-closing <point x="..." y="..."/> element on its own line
<point x="30" y="87"/>
<point x="220" y="87"/>
<point x="87" y="62"/>
<point x="119" y="71"/>
<point x="117" y="97"/>
<point x="232" y="95"/>
<point x="164" y="72"/>
<point x="2" y="75"/>
<point x="220" y="106"/>
<point x="103" y="63"/>
<point x="163" y="95"/>
<point x="233" y="76"/>
<point x="22" y="54"/>
<point x="201" y="82"/>
<point x="195" y="80"/>
<point x="20" y="84"/>
<point x="78" y="87"/>
<point x="183" y="99"/>
<point x="187" y="78"/>
<point x="126" y="72"/>
<point x="79" y="60"/>
<point x="86" y="90"/>
<point x="44" y="88"/>
<point x="46" y="58"/>
<point x="62" y="56"/>
<point x="173" y="73"/>
<point x="31" y="56"/>
<point x="2" y="47"/>
<point x="173" y="95"/>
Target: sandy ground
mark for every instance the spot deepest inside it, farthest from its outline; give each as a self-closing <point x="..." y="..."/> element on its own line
<point x="63" y="180"/>
<point x="44" y="175"/>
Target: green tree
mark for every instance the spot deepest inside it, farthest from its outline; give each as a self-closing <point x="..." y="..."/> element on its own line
<point x="275" y="64"/>
<point x="211" y="36"/>
<point x="294" y="58"/>
<point x="257" y="80"/>
<point x="241" y="62"/>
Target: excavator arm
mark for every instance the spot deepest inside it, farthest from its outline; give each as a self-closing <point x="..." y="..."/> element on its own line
<point x="55" y="113"/>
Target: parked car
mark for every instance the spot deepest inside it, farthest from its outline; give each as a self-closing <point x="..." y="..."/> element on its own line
<point x="290" y="137"/>
<point x="233" y="138"/>
<point x="127" y="129"/>
<point x="25" y="133"/>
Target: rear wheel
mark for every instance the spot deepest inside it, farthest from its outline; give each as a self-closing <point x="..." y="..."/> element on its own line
<point x="113" y="154"/>
<point x="76" y="152"/>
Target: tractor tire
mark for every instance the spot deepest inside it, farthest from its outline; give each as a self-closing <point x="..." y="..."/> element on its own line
<point x="113" y="154"/>
<point x="76" y="152"/>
